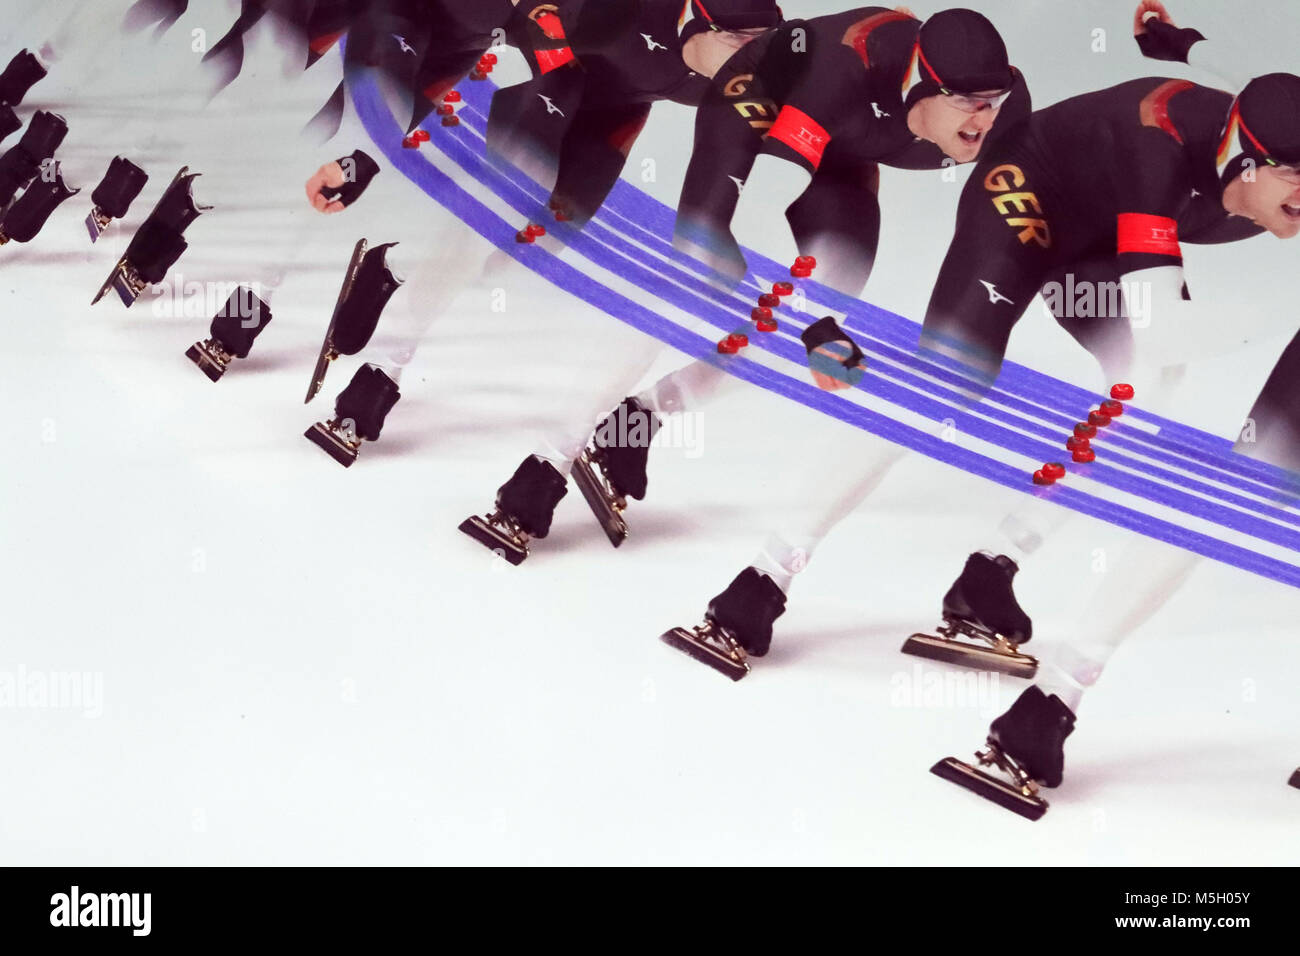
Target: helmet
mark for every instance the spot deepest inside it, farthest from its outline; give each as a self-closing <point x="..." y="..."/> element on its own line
<point x="1263" y="127"/>
<point x="732" y="15"/>
<point x="959" y="52"/>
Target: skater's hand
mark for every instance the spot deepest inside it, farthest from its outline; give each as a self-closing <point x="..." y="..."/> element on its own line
<point x="329" y="178"/>
<point x="826" y="362"/>
<point x="1150" y="6"/>
<point x="834" y="358"/>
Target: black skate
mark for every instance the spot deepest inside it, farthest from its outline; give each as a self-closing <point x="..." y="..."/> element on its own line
<point x="1295" y="779"/>
<point x="158" y="243"/>
<point x="23" y="72"/>
<point x="1027" y="743"/>
<point x="367" y="286"/>
<point x="233" y="330"/>
<point x="25" y="218"/>
<point x="21" y="164"/>
<point x="983" y="625"/>
<point x="113" y="196"/>
<point x="9" y="122"/>
<point x="737" y="624"/>
<point x="618" y="450"/>
<point x="359" y="415"/>
<point x="525" y="505"/>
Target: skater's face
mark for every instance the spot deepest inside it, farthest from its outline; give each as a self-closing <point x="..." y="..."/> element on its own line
<point x="706" y="52"/>
<point x="948" y="123"/>
<point x="1269" y="198"/>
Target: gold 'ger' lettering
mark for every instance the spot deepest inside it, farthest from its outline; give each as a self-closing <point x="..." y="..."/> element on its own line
<point x="1001" y="180"/>
<point x="760" y="114"/>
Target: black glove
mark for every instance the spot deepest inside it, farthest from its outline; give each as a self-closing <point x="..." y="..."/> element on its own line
<point x="827" y="330"/>
<point x="358" y="170"/>
<point x="1163" y="41"/>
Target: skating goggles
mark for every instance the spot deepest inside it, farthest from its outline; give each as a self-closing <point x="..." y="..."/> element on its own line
<point x="974" y="102"/>
<point x="966" y="102"/>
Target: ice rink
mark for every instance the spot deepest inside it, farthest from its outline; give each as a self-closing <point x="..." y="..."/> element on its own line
<point x="282" y="661"/>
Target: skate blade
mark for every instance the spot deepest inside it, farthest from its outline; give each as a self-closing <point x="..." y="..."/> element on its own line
<point x="689" y="643"/>
<point x="338" y="449"/>
<point x="952" y="651"/>
<point x="1003" y="794"/>
<point x="327" y="352"/>
<point x="1295" y="780"/>
<point x="208" y="364"/>
<point x="594" y="492"/>
<point x="493" y="539"/>
<point x="96" y="225"/>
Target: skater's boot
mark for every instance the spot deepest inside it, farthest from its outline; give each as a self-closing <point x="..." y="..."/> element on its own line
<point x="9" y="122"/>
<point x="525" y="505"/>
<point x="738" y="624"/>
<point x="113" y="196"/>
<point x="25" y="217"/>
<point x="158" y="243"/>
<point x="368" y="284"/>
<point x="1027" y="744"/>
<point x="359" y="415"/>
<point x="983" y="624"/>
<point x="613" y="467"/>
<point x="23" y="72"/>
<point x="22" y="163"/>
<point x="232" y="332"/>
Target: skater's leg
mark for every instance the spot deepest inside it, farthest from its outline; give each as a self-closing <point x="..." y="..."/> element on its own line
<point x="433" y="262"/>
<point x="850" y="470"/>
<point x="1148" y="573"/>
<point x="1272" y="431"/>
<point x="690" y="387"/>
<point x="619" y="371"/>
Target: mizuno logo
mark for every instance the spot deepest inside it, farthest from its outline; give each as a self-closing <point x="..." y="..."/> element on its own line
<point x="994" y="295"/>
<point x="880" y="114"/>
<point x="550" y="107"/>
<point x="651" y="43"/>
<point x="401" y="42"/>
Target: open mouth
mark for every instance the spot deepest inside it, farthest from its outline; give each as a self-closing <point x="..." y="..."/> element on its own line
<point x="970" y="138"/>
<point x="1291" y="210"/>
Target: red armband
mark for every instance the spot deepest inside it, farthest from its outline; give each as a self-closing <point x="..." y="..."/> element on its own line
<point x="801" y="133"/>
<point x="548" y="60"/>
<point x="1139" y="232"/>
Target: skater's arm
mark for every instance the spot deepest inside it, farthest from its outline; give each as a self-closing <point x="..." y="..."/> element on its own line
<point x="1160" y="38"/>
<point x="1169" y="332"/>
<point x="759" y="222"/>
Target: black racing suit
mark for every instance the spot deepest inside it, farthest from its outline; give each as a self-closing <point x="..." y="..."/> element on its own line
<point x="1069" y="201"/>
<point x="598" y="67"/>
<point x="826" y="94"/>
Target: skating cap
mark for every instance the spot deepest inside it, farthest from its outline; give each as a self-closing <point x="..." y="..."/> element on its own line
<point x="1263" y="126"/>
<point x="958" y="51"/>
<point x="731" y="15"/>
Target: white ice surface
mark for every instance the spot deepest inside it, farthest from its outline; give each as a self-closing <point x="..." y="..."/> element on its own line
<point x="306" y="664"/>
